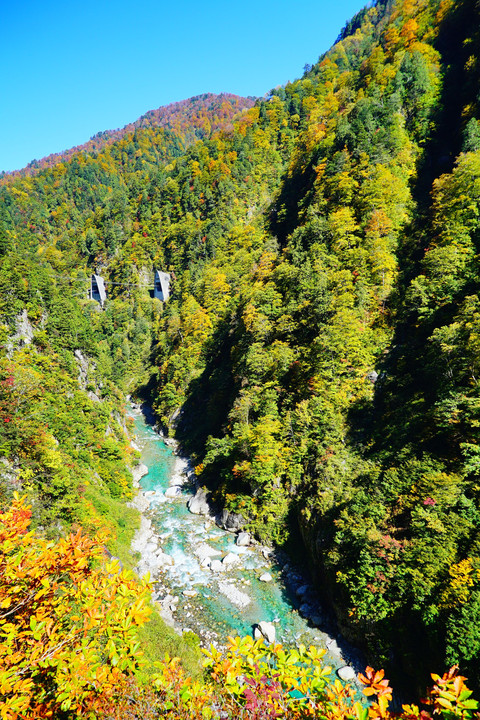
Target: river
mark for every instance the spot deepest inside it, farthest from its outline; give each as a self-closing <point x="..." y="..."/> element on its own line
<point x="231" y="601"/>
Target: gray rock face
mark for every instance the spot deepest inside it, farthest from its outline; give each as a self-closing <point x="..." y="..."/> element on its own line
<point x="138" y="472"/>
<point x="233" y="522"/>
<point x="24" y="329"/>
<point x="346" y="673"/>
<point x="198" y="504"/>
<point x="266" y="630"/>
<point x="9" y="474"/>
<point x="82" y="363"/>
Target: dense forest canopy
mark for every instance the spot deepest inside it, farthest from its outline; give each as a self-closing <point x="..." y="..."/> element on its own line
<point x="319" y="356"/>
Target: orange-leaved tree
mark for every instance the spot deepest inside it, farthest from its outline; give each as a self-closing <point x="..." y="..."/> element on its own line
<point x="68" y="621"/>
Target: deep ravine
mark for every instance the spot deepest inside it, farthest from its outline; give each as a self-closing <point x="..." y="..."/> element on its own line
<point x="174" y="544"/>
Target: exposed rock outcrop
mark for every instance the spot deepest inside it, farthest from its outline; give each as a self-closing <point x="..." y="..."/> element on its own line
<point x="233" y="522"/>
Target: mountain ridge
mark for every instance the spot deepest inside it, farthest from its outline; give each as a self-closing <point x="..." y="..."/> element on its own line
<point x="200" y="114"/>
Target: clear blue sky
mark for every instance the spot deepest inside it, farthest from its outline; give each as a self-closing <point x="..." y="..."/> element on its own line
<point x="71" y="69"/>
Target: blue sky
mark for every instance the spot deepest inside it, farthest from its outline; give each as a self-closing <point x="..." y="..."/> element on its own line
<point x="71" y="69"/>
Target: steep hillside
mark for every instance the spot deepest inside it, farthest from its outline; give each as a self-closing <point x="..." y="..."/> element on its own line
<point x="318" y="357"/>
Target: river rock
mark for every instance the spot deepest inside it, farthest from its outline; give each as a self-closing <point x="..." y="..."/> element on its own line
<point x="205" y="551"/>
<point x="173" y="491"/>
<point x="233" y="522"/>
<point x="266" y="630"/>
<point x="236" y="596"/>
<point x="190" y="593"/>
<point x="169" y="602"/>
<point x="243" y="539"/>
<point x="230" y="559"/>
<point x="216" y="566"/>
<point x="139" y="502"/>
<point x="205" y="562"/>
<point x="346" y="673"/>
<point x="266" y="577"/>
<point x="198" y="504"/>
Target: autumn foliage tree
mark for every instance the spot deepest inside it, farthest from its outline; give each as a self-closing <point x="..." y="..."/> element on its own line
<point x="68" y="620"/>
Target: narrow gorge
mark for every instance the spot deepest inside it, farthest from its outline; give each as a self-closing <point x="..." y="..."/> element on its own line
<point x="292" y="285"/>
<point x="217" y="583"/>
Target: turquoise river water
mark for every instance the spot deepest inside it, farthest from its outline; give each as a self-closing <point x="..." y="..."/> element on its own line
<point x="228" y="602"/>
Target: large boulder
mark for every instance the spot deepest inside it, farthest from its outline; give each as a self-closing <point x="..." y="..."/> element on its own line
<point x="346" y="673"/>
<point x="265" y="577"/>
<point x="198" y="504"/>
<point x="138" y="472"/>
<point x="216" y="566"/>
<point x="173" y="491"/>
<point x="266" y="630"/>
<point x="233" y="522"/>
<point x="243" y="539"/>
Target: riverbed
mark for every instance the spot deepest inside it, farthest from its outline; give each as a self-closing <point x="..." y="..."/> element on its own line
<point x="232" y="599"/>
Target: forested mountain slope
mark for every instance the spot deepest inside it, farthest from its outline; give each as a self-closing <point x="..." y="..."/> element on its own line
<point x="318" y="357"/>
<point x="191" y="119"/>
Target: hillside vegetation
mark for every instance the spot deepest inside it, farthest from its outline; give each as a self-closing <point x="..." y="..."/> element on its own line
<point x="319" y="356"/>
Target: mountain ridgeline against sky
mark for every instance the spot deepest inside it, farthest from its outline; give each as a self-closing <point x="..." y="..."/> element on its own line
<point x="319" y="356"/>
<point x="191" y="120"/>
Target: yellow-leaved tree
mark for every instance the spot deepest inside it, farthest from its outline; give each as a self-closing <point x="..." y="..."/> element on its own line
<point x="68" y="621"/>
